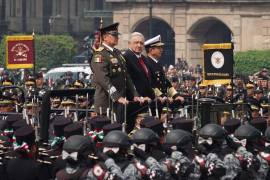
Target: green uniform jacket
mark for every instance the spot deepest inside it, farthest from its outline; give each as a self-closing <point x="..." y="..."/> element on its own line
<point x="110" y="78"/>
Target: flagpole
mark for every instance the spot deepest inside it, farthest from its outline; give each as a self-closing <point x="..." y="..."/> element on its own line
<point x="232" y="42"/>
<point x="34" y="53"/>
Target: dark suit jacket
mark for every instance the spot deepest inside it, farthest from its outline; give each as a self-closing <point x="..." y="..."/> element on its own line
<point x="139" y="78"/>
<point x="158" y="77"/>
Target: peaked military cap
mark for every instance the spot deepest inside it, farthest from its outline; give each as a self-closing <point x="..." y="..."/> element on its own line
<point x="183" y="123"/>
<point x="156" y="125"/>
<point x="146" y="119"/>
<point x="7" y="82"/>
<point x="231" y="125"/>
<point x="229" y="87"/>
<point x="258" y="91"/>
<point x="153" y="42"/>
<point x="73" y="129"/>
<point x="13" y="118"/>
<point x="250" y="86"/>
<point x="259" y="123"/>
<point x="18" y="124"/>
<point x="78" y="83"/>
<point x="59" y="124"/>
<point x="39" y="75"/>
<point x="6" y="102"/>
<point x="99" y="121"/>
<point x="67" y="102"/>
<point x="254" y="107"/>
<point x="110" y="127"/>
<point x="110" y="29"/>
<point x="3" y="125"/>
<point x="25" y="134"/>
<point x="30" y="81"/>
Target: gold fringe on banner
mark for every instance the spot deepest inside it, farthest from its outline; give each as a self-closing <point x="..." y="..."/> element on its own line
<point x="217" y="46"/>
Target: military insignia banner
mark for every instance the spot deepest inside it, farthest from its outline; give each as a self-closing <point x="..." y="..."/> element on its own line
<point x="20" y="52"/>
<point x="218" y="63"/>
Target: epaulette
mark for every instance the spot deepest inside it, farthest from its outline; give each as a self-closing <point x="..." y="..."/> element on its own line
<point x="98" y="49"/>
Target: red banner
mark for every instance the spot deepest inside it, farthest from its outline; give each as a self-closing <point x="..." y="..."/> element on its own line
<point x="20" y="52"/>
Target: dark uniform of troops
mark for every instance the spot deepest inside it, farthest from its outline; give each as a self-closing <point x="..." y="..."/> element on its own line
<point x="110" y="76"/>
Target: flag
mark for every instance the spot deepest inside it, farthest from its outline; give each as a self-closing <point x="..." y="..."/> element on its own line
<point x="19" y="52"/>
<point x="218" y="63"/>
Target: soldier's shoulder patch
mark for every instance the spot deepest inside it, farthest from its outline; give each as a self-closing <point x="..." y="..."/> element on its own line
<point x="98" y="58"/>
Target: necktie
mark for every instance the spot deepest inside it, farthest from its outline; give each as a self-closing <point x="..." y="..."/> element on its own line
<point x="143" y="66"/>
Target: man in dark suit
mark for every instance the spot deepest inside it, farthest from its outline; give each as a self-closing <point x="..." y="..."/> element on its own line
<point x="162" y="86"/>
<point x="136" y="66"/>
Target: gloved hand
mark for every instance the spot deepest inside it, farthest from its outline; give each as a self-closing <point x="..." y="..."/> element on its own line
<point x="140" y="153"/>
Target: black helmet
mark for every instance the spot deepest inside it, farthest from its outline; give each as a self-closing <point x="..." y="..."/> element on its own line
<point x="177" y="137"/>
<point x="78" y="143"/>
<point x="116" y="138"/>
<point x="145" y="136"/>
<point x="247" y="132"/>
<point x="212" y="130"/>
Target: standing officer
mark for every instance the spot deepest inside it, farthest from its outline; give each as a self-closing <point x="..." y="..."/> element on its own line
<point x="113" y="85"/>
<point x="161" y="85"/>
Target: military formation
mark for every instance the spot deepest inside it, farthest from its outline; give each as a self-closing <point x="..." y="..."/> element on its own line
<point x="136" y="120"/>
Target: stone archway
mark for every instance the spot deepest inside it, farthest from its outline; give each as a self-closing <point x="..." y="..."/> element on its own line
<point x="206" y="30"/>
<point x="159" y="26"/>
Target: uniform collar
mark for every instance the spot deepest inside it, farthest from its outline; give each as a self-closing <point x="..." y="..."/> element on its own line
<point x="156" y="61"/>
<point x="107" y="46"/>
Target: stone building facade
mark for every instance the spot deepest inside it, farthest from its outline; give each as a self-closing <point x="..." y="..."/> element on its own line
<point x="187" y="24"/>
<point x="53" y="16"/>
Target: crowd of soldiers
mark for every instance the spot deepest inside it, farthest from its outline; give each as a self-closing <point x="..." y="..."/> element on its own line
<point x="143" y="121"/>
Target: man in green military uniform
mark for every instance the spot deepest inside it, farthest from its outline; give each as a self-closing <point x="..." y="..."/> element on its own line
<point x="114" y="88"/>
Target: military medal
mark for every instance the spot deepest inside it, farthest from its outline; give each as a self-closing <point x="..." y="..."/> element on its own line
<point x="98" y="58"/>
<point x="114" y="60"/>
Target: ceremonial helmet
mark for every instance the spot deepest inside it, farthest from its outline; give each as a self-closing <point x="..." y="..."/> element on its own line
<point x="79" y="144"/>
<point x="177" y="137"/>
<point x="212" y="130"/>
<point x="247" y="132"/>
<point x="116" y="138"/>
<point x="145" y="136"/>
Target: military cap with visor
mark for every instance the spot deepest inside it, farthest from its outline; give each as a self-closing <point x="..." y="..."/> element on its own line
<point x="110" y="29"/>
<point x="154" y="42"/>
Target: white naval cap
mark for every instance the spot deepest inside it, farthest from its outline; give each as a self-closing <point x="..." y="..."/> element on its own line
<point x="155" y="41"/>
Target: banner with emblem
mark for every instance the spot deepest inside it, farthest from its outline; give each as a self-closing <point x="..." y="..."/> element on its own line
<point x="20" y="52"/>
<point x="218" y="63"/>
